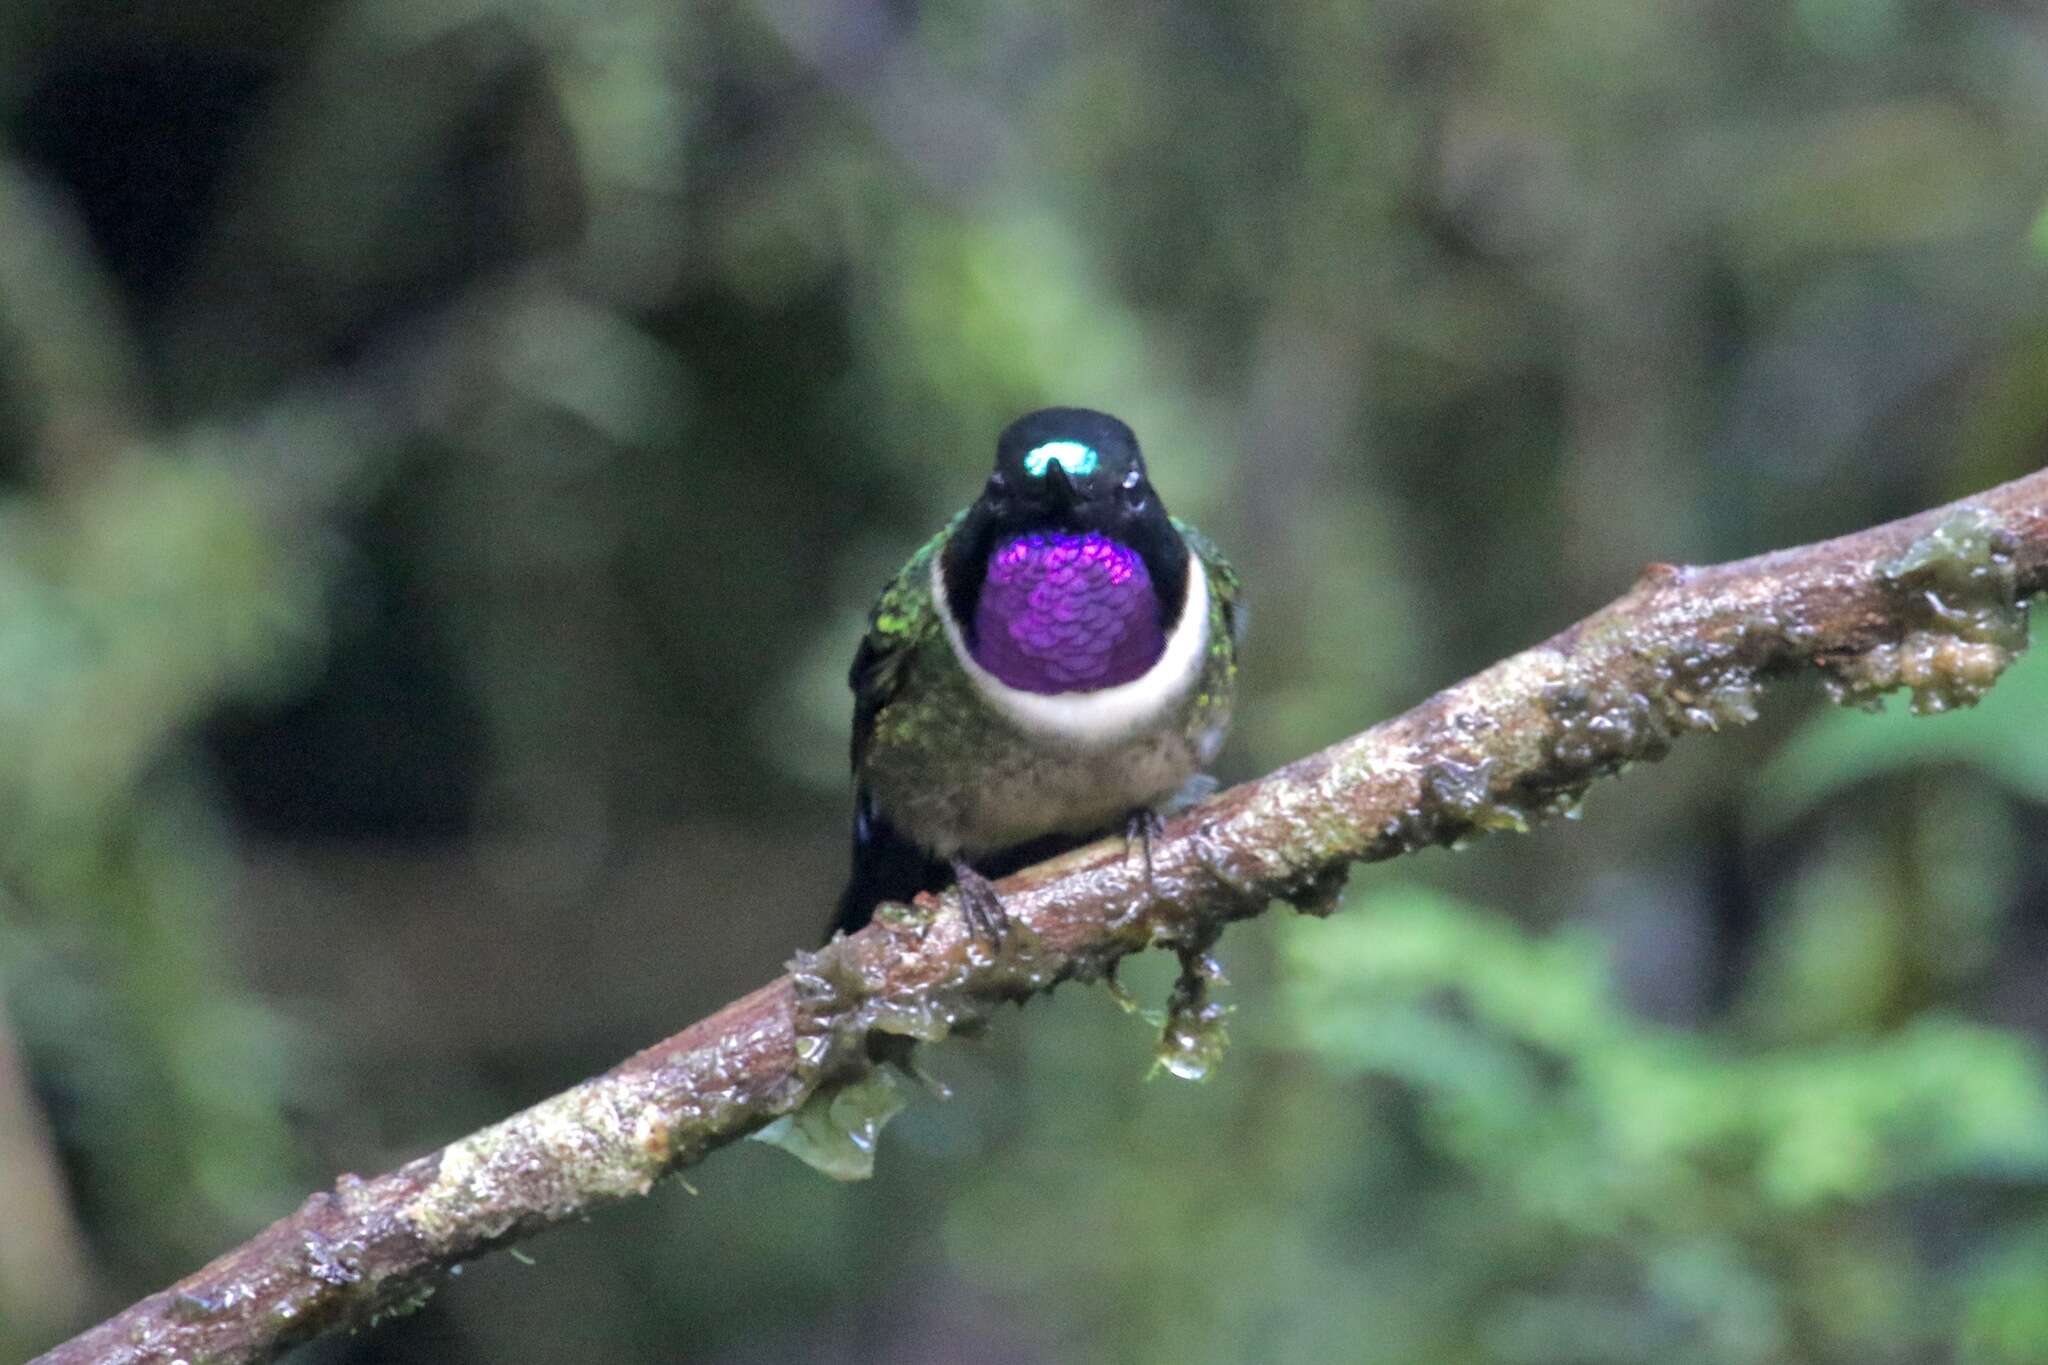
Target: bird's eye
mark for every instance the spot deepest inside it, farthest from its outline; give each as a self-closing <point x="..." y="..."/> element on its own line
<point x="1133" y="479"/>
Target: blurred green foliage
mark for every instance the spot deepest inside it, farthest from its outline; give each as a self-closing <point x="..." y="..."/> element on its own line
<point x="1652" y="1194"/>
<point x="446" y="450"/>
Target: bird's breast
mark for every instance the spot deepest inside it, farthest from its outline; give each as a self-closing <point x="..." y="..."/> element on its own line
<point x="1062" y="612"/>
<point x="1091" y="665"/>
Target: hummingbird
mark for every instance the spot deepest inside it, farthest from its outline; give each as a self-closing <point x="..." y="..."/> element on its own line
<point x="1058" y="662"/>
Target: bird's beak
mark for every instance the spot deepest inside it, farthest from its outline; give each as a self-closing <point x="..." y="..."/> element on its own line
<point x="1058" y="486"/>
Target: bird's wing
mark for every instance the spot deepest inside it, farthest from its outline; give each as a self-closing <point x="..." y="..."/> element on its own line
<point x="886" y="865"/>
<point x="1224" y="589"/>
<point x="903" y="619"/>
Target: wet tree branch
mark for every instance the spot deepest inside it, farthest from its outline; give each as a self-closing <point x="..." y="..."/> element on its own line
<point x="1933" y="603"/>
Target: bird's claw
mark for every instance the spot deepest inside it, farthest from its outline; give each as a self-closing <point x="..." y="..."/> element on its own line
<point x="980" y="906"/>
<point x="1141" y="827"/>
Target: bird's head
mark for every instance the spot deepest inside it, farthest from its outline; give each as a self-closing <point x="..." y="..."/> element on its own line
<point x="1071" y="469"/>
<point x="1068" y="481"/>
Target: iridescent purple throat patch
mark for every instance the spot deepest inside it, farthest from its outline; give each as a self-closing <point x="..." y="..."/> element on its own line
<point x="1067" y="613"/>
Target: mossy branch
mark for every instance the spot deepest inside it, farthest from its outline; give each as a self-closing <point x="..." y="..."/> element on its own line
<point x="1934" y="603"/>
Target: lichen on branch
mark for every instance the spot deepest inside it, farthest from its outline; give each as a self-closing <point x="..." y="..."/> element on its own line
<point x="1935" y="604"/>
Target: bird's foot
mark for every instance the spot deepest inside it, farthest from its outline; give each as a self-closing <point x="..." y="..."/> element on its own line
<point x="1141" y="827"/>
<point x="980" y="905"/>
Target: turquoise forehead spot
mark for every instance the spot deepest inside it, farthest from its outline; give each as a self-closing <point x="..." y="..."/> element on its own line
<point x="1073" y="457"/>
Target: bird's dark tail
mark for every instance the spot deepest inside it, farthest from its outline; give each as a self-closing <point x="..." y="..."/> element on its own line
<point x="886" y="867"/>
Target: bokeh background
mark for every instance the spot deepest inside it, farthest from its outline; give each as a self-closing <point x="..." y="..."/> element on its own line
<point x="447" y="449"/>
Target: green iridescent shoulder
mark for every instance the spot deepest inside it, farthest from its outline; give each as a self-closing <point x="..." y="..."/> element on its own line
<point x="903" y="612"/>
<point x="1223" y="581"/>
<point x="903" y="619"/>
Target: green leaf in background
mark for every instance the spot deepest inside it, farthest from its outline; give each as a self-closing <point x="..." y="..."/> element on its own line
<point x="2005" y="1314"/>
<point x="1710" y="1175"/>
<point x="2004" y="736"/>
